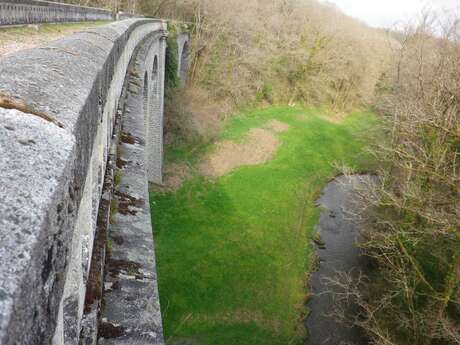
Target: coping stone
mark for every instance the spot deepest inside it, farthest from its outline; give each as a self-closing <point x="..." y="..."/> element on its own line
<point x="31" y="212"/>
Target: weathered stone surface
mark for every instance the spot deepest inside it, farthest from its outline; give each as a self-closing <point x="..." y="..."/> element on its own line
<point x="64" y="96"/>
<point x="36" y="212"/>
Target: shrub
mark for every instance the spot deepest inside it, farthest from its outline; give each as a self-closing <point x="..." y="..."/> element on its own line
<point x="171" y="63"/>
<point x="413" y="233"/>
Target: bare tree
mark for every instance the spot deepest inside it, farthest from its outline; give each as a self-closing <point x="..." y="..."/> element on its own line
<point x="413" y="232"/>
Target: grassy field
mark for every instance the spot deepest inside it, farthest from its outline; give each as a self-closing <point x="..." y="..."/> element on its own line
<point x="233" y="252"/>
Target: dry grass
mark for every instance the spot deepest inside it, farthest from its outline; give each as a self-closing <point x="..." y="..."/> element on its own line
<point x="174" y="174"/>
<point x="191" y="115"/>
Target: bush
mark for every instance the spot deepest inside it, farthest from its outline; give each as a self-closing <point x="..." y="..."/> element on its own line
<point x="413" y="236"/>
<point x="171" y="64"/>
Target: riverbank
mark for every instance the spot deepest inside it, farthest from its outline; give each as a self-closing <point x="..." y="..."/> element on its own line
<point x="233" y="226"/>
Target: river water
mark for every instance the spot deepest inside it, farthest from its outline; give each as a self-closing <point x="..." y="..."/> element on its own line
<point x="337" y="228"/>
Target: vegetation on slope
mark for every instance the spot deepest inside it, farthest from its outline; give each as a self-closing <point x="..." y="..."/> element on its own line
<point x="232" y="252"/>
<point x="275" y="52"/>
<point x="413" y="233"/>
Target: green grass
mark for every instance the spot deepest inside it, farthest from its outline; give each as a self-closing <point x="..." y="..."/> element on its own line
<point x="232" y="253"/>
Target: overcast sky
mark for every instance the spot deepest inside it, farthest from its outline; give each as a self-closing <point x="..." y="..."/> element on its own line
<point x="387" y="13"/>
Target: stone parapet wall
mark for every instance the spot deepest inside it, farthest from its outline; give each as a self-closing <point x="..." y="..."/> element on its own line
<point x="58" y="106"/>
<point x="19" y="12"/>
<point x="130" y="264"/>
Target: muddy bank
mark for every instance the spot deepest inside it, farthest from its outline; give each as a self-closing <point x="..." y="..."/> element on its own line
<point x="336" y="251"/>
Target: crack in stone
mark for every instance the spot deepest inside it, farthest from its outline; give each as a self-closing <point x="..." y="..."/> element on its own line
<point x="7" y="102"/>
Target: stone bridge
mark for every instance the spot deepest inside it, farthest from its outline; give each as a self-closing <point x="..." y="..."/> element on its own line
<point x="20" y="12"/>
<point x="81" y="132"/>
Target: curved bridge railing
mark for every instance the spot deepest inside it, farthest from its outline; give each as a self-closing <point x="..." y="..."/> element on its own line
<point x="81" y="123"/>
<point x="19" y="12"/>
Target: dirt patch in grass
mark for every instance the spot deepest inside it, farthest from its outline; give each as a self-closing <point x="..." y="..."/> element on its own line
<point x="257" y="147"/>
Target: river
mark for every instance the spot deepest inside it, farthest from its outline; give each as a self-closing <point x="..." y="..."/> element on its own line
<point x="338" y="252"/>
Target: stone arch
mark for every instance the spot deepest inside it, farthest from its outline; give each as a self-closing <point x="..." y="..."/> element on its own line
<point x="184" y="64"/>
<point x="155" y="76"/>
<point x="145" y="93"/>
<point x="155" y="67"/>
<point x="183" y="53"/>
<point x="154" y="140"/>
<point x="146" y="87"/>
